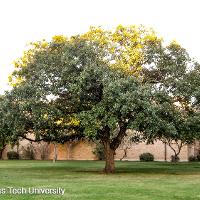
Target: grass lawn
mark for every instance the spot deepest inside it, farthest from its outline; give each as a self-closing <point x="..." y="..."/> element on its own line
<point x="83" y="180"/>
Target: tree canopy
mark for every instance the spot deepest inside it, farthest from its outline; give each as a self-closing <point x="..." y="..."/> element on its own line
<point x="102" y="83"/>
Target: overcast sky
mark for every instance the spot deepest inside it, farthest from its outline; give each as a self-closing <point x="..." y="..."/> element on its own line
<point x="23" y="21"/>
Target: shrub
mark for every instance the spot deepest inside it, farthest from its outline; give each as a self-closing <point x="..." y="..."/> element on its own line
<point x="146" y="157"/>
<point x="13" y="155"/>
<point x="174" y="158"/>
<point x="99" y="152"/>
<point x="198" y="157"/>
<point x="28" y="152"/>
<point x="192" y="158"/>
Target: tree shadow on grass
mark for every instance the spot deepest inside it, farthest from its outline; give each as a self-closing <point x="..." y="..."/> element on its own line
<point x="96" y="167"/>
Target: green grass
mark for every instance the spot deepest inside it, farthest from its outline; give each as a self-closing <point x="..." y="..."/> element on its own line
<point x="83" y="180"/>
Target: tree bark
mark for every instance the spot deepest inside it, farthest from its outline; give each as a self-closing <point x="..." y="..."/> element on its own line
<point x="109" y="156"/>
<point x="111" y="145"/>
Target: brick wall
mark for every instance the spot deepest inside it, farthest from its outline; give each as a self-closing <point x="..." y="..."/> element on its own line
<point x="74" y="151"/>
<point x="157" y="149"/>
<point x="83" y="150"/>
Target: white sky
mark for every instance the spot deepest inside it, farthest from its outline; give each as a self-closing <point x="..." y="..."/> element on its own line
<point x="23" y="21"/>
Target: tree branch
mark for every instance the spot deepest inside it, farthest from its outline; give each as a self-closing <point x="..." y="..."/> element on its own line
<point x="122" y="132"/>
<point x="31" y="140"/>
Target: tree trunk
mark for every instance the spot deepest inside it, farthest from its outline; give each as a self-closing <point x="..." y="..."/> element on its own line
<point x="165" y="151"/>
<point x="125" y="154"/>
<point x="1" y="153"/>
<point x="111" y="145"/>
<point x="55" y="153"/>
<point x="109" y="156"/>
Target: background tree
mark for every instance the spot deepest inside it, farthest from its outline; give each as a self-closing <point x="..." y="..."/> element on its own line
<point x="174" y="127"/>
<point x="132" y="137"/>
<point x="171" y="72"/>
<point x="6" y="136"/>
